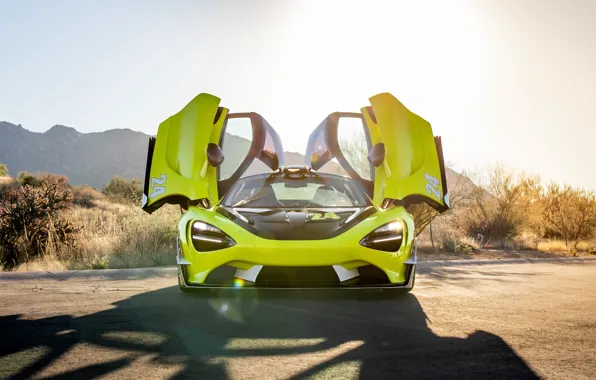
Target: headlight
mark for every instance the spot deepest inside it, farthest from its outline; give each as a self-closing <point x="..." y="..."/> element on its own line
<point x="387" y="238"/>
<point x="206" y="237"/>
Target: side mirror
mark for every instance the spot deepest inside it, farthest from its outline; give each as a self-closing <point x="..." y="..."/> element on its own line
<point x="215" y="155"/>
<point x="376" y="156"/>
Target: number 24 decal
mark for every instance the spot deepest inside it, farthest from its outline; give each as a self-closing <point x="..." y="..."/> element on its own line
<point x="432" y="186"/>
<point x="157" y="184"/>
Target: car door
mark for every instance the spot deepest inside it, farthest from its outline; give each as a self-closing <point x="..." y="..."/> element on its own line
<point x="199" y="152"/>
<point x="394" y="155"/>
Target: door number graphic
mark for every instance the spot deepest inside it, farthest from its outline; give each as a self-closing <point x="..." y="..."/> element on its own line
<point x="432" y="186"/>
<point x="157" y="184"/>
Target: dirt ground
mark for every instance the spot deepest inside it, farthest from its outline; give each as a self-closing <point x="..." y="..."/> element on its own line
<point x="429" y="255"/>
<point x="525" y="320"/>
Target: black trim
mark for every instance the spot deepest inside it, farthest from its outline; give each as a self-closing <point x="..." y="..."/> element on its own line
<point x="418" y="198"/>
<point x="222" y="210"/>
<point x="439" y="145"/>
<point x="150" y="149"/>
<point x="218" y="114"/>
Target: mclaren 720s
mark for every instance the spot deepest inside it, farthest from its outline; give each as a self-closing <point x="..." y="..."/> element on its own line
<point x="256" y="217"/>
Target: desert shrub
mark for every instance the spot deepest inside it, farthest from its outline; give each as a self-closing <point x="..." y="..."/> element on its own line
<point x="85" y="196"/>
<point x="494" y="226"/>
<point x="124" y="190"/>
<point x="448" y="245"/>
<point x="99" y="262"/>
<point x="568" y="213"/>
<point x="585" y="246"/>
<point x="147" y="236"/>
<point x="592" y="251"/>
<point x="124" y="234"/>
<point x="7" y="184"/>
<point x="552" y="246"/>
<point x="495" y="210"/>
<point x="463" y="248"/>
<point x="33" y="180"/>
<point x="3" y="170"/>
<point x="31" y="223"/>
<point x="457" y="246"/>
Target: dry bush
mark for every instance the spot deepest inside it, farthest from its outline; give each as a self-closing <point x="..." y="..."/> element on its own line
<point x="94" y="233"/>
<point x="116" y="235"/>
<point x="494" y="211"/>
<point x="34" y="180"/>
<point x="568" y="213"/>
<point x="6" y="184"/>
<point x="3" y="170"/>
<point x="32" y="223"/>
<point x="124" y="190"/>
<point x="85" y="196"/>
<point x="552" y="246"/>
<point x="441" y="233"/>
<point x="146" y="238"/>
<point x="585" y="246"/>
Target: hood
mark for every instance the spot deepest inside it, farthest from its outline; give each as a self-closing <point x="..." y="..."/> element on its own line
<point x="296" y="224"/>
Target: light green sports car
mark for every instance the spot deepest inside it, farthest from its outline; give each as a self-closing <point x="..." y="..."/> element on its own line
<point x="336" y="220"/>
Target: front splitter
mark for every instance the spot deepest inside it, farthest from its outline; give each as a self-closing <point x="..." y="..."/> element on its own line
<point x="409" y="284"/>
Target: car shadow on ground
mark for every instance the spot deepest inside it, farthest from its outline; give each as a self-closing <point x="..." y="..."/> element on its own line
<point x="308" y="333"/>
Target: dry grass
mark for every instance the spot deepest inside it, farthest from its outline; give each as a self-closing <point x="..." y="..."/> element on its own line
<point x="116" y="236"/>
<point x="552" y="246"/>
<point x="444" y="232"/>
<point x="560" y="246"/>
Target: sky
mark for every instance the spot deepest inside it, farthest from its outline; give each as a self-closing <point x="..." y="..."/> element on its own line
<point x="500" y="80"/>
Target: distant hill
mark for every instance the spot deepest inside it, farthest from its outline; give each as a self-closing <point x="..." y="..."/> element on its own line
<point x="85" y="158"/>
<point x="94" y="158"/>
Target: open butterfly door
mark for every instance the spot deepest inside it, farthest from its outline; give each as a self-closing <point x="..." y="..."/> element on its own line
<point x="193" y="160"/>
<point x="404" y="162"/>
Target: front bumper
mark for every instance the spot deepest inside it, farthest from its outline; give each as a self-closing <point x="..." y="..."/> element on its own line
<point x="251" y="256"/>
<point x="408" y="284"/>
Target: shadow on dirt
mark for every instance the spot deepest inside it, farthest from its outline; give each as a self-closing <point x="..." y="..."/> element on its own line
<point x="309" y="333"/>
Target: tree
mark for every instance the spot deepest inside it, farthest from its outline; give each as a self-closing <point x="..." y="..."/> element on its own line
<point x="3" y="170"/>
<point x="496" y="209"/>
<point x="568" y="213"/>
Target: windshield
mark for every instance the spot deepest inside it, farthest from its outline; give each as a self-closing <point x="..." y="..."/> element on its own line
<point x="312" y="190"/>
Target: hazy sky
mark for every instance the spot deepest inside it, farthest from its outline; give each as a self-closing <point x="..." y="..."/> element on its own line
<point x="511" y="81"/>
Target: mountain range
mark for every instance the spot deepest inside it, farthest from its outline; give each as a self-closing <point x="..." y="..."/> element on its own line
<point x="92" y="158"/>
<point x="95" y="158"/>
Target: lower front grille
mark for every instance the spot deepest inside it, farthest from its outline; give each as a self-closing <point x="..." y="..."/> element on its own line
<point x="298" y="277"/>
